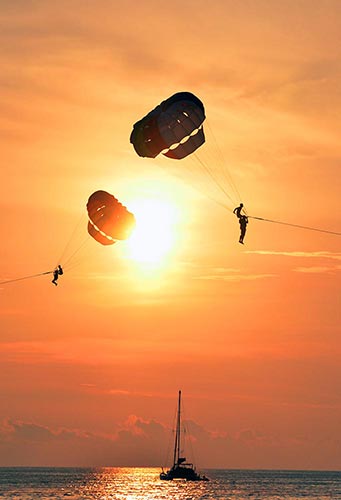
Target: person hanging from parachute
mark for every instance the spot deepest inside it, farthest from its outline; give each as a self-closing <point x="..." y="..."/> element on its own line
<point x="175" y="129"/>
<point x="108" y="222"/>
<point x="56" y="273"/>
<point x="243" y="221"/>
<point x="237" y="210"/>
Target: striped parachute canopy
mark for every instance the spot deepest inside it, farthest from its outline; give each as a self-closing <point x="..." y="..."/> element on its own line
<point x="174" y="128"/>
<point x="109" y="220"/>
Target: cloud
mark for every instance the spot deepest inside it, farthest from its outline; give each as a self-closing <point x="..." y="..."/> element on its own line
<point x="322" y="255"/>
<point x="73" y="446"/>
<point x="234" y="277"/>
<point x="141" y="442"/>
<point x="316" y="269"/>
<point x="315" y="255"/>
<point x="16" y="431"/>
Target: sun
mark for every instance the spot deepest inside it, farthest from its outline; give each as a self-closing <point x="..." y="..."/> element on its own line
<point x="155" y="234"/>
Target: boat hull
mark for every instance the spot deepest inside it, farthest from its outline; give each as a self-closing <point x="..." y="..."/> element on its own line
<point x="184" y="473"/>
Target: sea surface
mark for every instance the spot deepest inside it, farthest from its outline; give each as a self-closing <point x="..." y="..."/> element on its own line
<point x="26" y="483"/>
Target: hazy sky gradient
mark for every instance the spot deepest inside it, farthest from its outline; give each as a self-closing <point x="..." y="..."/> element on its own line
<point x="91" y="368"/>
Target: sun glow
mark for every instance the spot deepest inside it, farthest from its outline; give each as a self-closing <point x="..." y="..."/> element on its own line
<point x="154" y="235"/>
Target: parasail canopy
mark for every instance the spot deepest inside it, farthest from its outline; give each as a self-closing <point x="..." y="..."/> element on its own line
<point x="174" y="128"/>
<point x="109" y="220"/>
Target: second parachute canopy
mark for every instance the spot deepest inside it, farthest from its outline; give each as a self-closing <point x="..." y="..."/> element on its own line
<point x="109" y="220"/>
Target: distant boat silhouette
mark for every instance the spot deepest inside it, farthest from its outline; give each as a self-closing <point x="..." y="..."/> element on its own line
<point x="180" y="468"/>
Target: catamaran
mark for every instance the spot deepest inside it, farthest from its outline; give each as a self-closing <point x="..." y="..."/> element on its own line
<point x="180" y="468"/>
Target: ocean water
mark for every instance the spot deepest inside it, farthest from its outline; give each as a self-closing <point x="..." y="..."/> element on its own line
<point x="108" y="483"/>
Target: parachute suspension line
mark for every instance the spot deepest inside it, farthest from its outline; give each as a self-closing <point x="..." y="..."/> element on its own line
<point x="200" y="181"/>
<point x="203" y="188"/>
<point x="68" y="243"/>
<point x="218" y="165"/>
<point x="224" y="167"/>
<point x="74" y="263"/>
<point x="213" y="167"/>
<point x="79" y="259"/>
<point x="212" y="177"/>
<point x="197" y="183"/>
<point x="295" y="225"/>
<point x="221" y="204"/>
<point x="25" y="277"/>
<point x="87" y="239"/>
<point x="208" y="155"/>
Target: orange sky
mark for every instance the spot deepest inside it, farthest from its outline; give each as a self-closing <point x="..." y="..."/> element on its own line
<point x="91" y="368"/>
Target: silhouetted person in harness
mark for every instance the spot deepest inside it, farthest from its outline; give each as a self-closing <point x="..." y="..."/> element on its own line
<point x="56" y="273"/>
<point x="237" y="210"/>
<point x="243" y="221"/>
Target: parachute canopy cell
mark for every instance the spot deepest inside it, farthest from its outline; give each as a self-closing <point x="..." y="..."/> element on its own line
<point x="109" y="220"/>
<point x="174" y="128"/>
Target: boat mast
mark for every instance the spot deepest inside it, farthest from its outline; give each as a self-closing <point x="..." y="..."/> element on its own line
<point x="177" y="433"/>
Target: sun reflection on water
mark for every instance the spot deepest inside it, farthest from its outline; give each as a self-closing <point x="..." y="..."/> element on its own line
<point x="137" y="484"/>
<point x="59" y="483"/>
